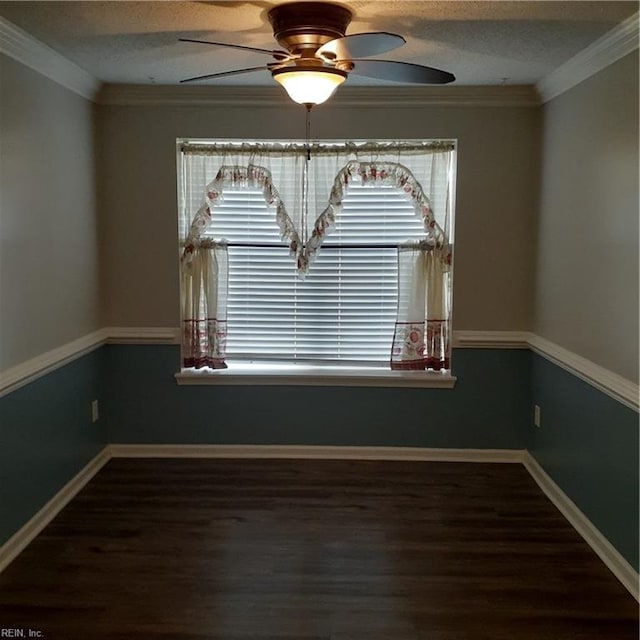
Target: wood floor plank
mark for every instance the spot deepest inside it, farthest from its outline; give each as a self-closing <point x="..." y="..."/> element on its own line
<point x="313" y="550"/>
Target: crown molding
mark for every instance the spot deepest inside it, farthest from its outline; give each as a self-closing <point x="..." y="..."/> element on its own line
<point x="445" y="96"/>
<point x="361" y="97"/>
<point x="614" y="45"/>
<point x="19" y="45"/>
<point x="136" y="95"/>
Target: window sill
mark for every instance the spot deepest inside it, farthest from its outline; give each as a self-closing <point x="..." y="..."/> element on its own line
<point x="314" y="375"/>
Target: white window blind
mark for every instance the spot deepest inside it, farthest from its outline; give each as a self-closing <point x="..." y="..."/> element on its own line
<point x="344" y="310"/>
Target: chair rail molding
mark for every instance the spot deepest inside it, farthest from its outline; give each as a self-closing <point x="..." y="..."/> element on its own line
<point x="491" y="339"/>
<point x="614" y="385"/>
<point x="143" y="335"/>
<point x="34" y="368"/>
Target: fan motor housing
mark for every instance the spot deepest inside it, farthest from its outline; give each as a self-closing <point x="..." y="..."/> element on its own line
<point x="303" y="27"/>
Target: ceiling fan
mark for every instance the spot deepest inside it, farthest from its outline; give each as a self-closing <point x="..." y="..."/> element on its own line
<point x="318" y="56"/>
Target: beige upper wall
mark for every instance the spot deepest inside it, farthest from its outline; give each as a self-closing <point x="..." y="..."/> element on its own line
<point x="48" y="227"/>
<point x="587" y="262"/>
<point x="496" y="197"/>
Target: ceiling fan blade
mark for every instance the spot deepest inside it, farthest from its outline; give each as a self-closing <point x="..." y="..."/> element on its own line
<point x="226" y="73"/>
<point x="359" y="45"/>
<point x="278" y="55"/>
<point x="401" y="72"/>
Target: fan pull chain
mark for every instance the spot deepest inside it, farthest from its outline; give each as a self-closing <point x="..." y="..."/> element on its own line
<point x="305" y="178"/>
<point x="308" y="130"/>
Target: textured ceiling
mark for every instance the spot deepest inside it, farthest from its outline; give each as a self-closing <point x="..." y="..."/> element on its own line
<point x="482" y="42"/>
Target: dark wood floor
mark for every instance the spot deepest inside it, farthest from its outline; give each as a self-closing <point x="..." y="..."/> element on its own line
<point x="313" y="550"/>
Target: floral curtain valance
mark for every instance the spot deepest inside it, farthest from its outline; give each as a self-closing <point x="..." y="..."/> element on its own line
<point x="306" y="195"/>
<point x="383" y="174"/>
<point x="233" y="177"/>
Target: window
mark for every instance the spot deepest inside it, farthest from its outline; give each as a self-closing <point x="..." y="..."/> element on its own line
<point x="299" y="288"/>
<point x="345" y="307"/>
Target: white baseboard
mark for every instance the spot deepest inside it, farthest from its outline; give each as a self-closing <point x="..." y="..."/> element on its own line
<point x="622" y="570"/>
<point x="21" y="539"/>
<point x="603" y="548"/>
<point x="314" y="452"/>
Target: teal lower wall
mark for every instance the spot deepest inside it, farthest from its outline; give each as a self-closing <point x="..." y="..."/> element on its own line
<point x="47" y="437"/>
<point x="488" y="408"/>
<point x="588" y="443"/>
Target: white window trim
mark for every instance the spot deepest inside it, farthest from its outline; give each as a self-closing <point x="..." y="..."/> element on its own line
<point x="245" y="373"/>
<point x="292" y="374"/>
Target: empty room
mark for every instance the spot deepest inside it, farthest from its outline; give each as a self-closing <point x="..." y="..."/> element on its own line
<point x="319" y="320"/>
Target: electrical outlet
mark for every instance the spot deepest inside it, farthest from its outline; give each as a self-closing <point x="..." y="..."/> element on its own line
<point x="536" y="415"/>
<point x="95" y="414"/>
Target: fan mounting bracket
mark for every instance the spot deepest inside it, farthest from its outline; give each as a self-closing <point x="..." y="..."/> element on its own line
<point x="303" y="27"/>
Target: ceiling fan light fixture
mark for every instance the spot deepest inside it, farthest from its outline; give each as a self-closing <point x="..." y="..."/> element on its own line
<point x="309" y="86"/>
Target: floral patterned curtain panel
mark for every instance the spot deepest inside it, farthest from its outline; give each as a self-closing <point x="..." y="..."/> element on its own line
<point x="204" y="305"/>
<point x="306" y="196"/>
<point x="421" y="337"/>
<point x="204" y="260"/>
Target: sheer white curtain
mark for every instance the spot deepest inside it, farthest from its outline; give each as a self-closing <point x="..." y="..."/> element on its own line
<point x="204" y="262"/>
<point x="421" y="337"/>
<point x="423" y="324"/>
<point x="306" y="195"/>
<point x="422" y="328"/>
<point x="407" y="166"/>
<point x="275" y="169"/>
<point x="204" y="305"/>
